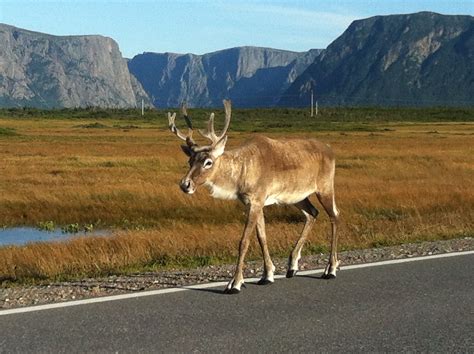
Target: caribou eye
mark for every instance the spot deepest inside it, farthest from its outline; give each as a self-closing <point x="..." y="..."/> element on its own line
<point x="207" y="163"/>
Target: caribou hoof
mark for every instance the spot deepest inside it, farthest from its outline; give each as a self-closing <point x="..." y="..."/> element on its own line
<point x="329" y="276"/>
<point x="231" y="291"/>
<point x="234" y="287"/>
<point x="264" y="282"/>
<point x="291" y="273"/>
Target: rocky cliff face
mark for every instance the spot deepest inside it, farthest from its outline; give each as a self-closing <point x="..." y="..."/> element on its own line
<point x="47" y="71"/>
<point x="250" y="76"/>
<point x="417" y="59"/>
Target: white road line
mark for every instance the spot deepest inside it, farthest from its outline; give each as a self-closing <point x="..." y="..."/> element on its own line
<point x="214" y="285"/>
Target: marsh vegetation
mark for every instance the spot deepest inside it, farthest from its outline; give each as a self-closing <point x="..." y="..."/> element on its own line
<point x="402" y="175"/>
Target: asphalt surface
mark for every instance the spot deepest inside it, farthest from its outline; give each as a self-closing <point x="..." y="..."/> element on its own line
<point x="423" y="306"/>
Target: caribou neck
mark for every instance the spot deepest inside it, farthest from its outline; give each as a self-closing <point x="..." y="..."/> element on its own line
<point x="224" y="181"/>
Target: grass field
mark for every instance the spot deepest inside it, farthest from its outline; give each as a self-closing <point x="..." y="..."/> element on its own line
<point x="402" y="175"/>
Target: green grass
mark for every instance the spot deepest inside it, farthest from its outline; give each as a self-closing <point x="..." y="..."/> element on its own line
<point x="390" y="214"/>
<point x="365" y="119"/>
<point x="7" y="132"/>
<point x="48" y="226"/>
<point x="95" y="125"/>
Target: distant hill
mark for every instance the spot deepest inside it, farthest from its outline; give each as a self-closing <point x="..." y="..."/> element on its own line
<point x="250" y="76"/>
<point x="412" y="60"/>
<point x="416" y="59"/>
<point x="40" y="70"/>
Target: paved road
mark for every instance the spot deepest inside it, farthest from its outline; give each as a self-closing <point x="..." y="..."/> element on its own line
<point x="420" y="306"/>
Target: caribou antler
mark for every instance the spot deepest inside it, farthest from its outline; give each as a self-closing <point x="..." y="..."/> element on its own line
<point x="209" y="132"/>
<point x="171" y="124"/>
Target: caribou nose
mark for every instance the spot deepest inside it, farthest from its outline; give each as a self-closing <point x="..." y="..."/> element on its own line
<point x="185" y="185"/>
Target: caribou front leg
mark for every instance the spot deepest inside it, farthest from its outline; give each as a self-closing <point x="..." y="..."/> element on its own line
<point x="233" y="287"/>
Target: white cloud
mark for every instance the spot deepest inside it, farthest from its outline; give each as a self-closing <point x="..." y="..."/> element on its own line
<point x="292" y="13"/>
<point x="299" y="15"/>
<point x="290" y="26"/>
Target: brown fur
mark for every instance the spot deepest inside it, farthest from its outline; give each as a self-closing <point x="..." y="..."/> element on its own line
<point x="264" y="166"/>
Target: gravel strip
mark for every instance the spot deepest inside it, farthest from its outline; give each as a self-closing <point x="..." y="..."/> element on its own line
<point x="18" y="296"/>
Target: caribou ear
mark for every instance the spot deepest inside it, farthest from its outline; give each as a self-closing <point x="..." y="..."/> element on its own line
<point x="218" y="148"/>
<point x="186" y="149"/>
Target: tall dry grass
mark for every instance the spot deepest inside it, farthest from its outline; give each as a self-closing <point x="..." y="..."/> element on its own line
<point x="410" y="182"/>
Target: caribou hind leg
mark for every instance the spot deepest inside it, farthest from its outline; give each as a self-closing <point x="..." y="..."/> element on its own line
<point x="328" y="202"/>
<point x="310" y="213"/>
<point x="268" y="266"/>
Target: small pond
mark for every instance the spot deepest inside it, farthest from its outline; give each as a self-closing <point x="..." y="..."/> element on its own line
<point x="22" y="235"/>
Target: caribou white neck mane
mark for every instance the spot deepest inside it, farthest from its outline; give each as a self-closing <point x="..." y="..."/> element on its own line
<point x="221" y="192"/>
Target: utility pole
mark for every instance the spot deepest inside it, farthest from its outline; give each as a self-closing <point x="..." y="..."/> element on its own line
<point x="312" y="98"/>
<point x="143" y="108"/>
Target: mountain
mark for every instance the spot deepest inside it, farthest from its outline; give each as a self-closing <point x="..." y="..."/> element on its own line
<point x="250" y="76"/>
<point x="416" y="59"/>
<point x="46" y="71"/>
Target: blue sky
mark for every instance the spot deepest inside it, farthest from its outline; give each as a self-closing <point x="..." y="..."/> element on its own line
<point x="204" y="26"/>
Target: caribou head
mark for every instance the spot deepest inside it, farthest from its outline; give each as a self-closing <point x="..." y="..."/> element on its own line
<point x="202" y="159"/>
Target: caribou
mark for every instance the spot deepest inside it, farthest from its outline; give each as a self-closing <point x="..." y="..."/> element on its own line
<point x="261" y="172"/>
